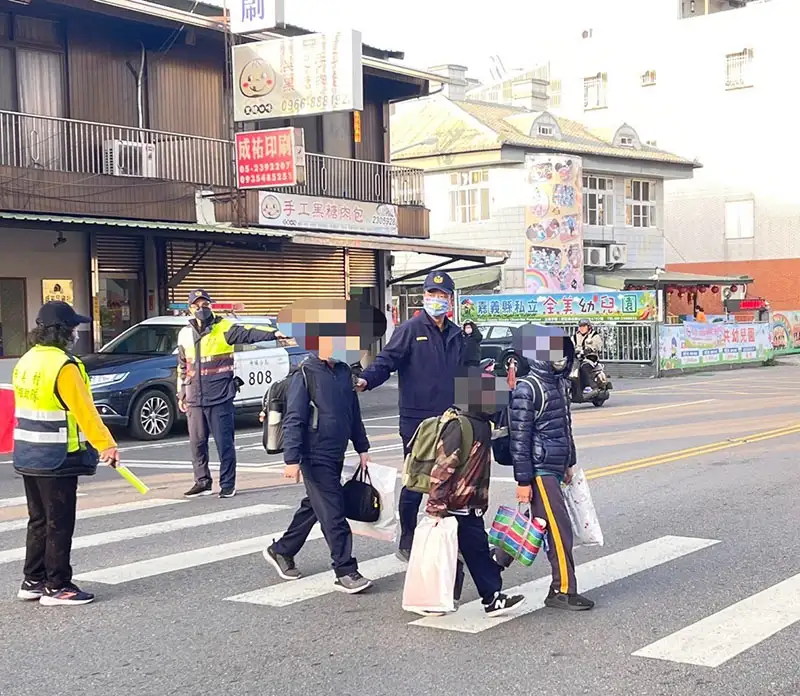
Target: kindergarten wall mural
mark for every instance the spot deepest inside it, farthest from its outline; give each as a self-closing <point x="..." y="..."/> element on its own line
<point x="553" y="224"/>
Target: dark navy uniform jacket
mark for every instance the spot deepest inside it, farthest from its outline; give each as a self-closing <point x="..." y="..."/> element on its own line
<point x="425" y="359"/>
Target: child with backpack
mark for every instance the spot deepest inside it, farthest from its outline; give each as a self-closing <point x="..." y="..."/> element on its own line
<point x="459" y="480"/>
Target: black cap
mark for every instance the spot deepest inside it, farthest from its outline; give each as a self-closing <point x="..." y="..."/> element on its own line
<point x="439" y="280"/>
<point x="199" y="294"/>
<point x="60" y="314"/>
<point x="584" y="322"/>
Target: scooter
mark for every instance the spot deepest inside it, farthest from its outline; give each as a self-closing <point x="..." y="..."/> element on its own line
<point x="601" y="385"/>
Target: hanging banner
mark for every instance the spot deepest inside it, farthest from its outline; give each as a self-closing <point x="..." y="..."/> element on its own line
<point x="701" y="345"/>
<point x="566" y="307"/>
<point x="786" y="332"/>
<point x="553" y="224"/>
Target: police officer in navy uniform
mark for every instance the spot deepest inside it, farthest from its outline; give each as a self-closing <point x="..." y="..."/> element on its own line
<point x="426" y="352"/>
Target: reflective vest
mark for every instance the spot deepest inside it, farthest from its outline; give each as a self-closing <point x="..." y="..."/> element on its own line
<point x="47" y="439"/>
<point x="212" y="375"/>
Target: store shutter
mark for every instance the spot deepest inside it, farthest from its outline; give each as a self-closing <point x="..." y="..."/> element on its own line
<point x="363" y="268"/>
<point x="119" y="254"/>
<point x="264" y="281"/>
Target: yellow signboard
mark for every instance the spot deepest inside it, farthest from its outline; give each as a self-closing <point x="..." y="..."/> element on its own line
<point x="357" y="126"/>
<point x="58" y="290"/>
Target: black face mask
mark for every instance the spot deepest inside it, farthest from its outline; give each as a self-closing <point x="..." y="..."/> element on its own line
<point x="204" y="316"/>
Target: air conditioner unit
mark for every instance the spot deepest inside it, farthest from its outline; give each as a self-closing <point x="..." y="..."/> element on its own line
<point x="128" y="158"/>
<point x="618" y="254"/>
<point x="595" y="256"/>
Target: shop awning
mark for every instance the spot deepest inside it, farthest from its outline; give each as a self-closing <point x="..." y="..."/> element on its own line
<point x="466" y="279"/>
<point x="620" y="280"/>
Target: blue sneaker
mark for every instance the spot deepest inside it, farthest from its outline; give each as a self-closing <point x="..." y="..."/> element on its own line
<point x="31" y="589"/>
<point x="65" y="596"/>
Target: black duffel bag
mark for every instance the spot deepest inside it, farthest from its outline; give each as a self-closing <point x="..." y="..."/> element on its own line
<point x="362" y="503"/>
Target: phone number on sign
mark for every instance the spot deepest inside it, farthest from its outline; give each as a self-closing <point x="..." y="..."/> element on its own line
<point x="291" y="106"/>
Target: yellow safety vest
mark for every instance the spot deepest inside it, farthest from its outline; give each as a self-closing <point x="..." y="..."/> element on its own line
<point x="46" y="432"/>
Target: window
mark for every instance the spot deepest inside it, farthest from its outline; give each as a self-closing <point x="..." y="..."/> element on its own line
<point x="545" y="130"/>
<point x="144" y="339"/>
<point x="598" y="200"/>
<point x="13" y="324"/>
<point x="626" y="141"/>
<point x="554" y="100"/>
<point x="648" y="78"/>
<point x="739" y="219"/>
<point x="469" y="196"/>
<point x="594" y="91"/>
<point x="738" y="69"/>
<point x="640" y="203"/>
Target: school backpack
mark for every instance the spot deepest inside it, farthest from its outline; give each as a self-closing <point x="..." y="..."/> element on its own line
<point x="501" y="435"/>
<point x="274" y="409"/>
<point x="421" y="458"/>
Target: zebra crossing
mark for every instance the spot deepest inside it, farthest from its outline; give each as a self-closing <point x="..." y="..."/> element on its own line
<point x="710" y="642"/>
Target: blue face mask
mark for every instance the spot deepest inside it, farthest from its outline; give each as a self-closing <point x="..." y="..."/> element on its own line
<point x="436" y="307"/>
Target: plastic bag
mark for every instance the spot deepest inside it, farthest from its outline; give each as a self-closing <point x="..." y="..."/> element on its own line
<point x="384" y="481"/>
<point x="585" y="525"/>
<point x="431" y="573"/>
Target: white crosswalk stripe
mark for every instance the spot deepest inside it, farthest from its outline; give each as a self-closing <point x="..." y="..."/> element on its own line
<point x="21" y="501"/>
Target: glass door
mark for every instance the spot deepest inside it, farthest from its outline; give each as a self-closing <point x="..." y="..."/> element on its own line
<point x="121" y="302"/>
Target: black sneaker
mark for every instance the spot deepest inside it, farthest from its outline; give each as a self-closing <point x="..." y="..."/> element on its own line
<point x="66" y="596"/>
<point x="197" y="490"/>
<point x="353" y="583"/>
<point x="570" y="602"/>
<point x="284" y="565"/>
<point x="502" y="604"/>
<point x="227" y="493"/>
<point x="31" y="590"/>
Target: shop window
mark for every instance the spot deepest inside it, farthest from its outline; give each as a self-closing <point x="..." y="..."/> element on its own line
<point x="469" y="196"/>
<point x="13" y="324"/>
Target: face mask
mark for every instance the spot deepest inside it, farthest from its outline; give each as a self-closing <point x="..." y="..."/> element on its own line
<point x="73" y="341"/>
<point x="204" y="315"/>
<point x="436" y="307"/>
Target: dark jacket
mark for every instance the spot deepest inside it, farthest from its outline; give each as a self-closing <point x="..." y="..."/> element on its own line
<point x="472" y="349"/>
<point x="211" y="382"/>
<point x="541" y="445"/>
<point x="338" y="417"/>
<point x="455" y="487"/>
<point x="425" y="359"/>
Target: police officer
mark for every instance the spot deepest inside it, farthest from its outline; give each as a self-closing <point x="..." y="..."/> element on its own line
<point x="426" y="352"/>
<point x="55" y="417"/>
<point x="207" y="388"/>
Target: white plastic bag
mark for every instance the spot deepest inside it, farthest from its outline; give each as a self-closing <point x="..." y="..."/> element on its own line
<point x="384" y="480"/>
<point x="431" y="574"/>
<point x="585" y="525"/>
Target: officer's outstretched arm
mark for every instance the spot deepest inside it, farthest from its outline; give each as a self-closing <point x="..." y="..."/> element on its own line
<point x="238" y="335"/>
<point x="390" y="359"/>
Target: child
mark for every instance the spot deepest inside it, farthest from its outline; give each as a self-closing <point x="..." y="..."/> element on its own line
<point x="543" y="448"/>
<point x="462" y="490"/>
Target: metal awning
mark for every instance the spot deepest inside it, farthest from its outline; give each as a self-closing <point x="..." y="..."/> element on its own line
<point x="467" y="279"/>
<point x="619" y="280"/>
<point x="479" y="258"/>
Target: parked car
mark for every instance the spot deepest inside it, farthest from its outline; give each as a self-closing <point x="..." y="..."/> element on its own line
<point x="496" y="338"/>
<point x="134" y="377"/>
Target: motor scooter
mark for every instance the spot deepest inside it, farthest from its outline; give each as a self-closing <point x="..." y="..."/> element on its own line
<point x="600" y="383"/>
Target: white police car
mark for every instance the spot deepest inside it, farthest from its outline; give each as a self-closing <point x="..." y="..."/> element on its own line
<point x="134" y="376"/>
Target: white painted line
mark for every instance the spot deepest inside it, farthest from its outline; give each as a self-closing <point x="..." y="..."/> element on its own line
<point x="147" y="530"/>
<point x="724" y="635"/>
<point x="286" y="593"/>
<point x="656" y="408"/>
<point x="470" y="618"/>
<point x="181" y="561"/>
<point x="22" y="500"/>
<point x="101" y="511"/>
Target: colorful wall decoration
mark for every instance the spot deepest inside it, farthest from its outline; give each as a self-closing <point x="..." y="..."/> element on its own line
<point x="693" y="345"/>
<point x="786" y="332"/>
<point x="544" y="307"/>
<point x="554" y="224"/>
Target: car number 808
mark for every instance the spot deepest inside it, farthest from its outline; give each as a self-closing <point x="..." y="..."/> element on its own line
<point x="260" y="377"/>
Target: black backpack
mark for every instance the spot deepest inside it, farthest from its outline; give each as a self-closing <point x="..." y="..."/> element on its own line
<point x="501" y="435"/>
<point x="273" y="407"/>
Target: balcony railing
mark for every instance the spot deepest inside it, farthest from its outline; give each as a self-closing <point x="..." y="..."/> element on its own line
<point x="82" y="147"/>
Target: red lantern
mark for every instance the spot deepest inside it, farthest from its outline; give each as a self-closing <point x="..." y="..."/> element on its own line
<point x="715" y="289"/>
<point x="703" y="288"/>
<point x="734" y="288"/>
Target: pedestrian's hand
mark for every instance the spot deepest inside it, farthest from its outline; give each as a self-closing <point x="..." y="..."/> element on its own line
<point x="110" y="456"/>
<point x="568" y="474"/>
<point x="292" y="472"/>
<point x="361" y="384"/>
<point x="280" y="334"/>
<point x="182" y="405"/>
<point x="524" y="494"/>
<point x="365" y="461"/>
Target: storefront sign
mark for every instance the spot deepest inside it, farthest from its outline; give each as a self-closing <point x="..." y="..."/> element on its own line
<point x="270" y="158"/>
<point x="786" y="332"/>
<point x="58" y="291"/>
<point x="609" y="306"/>
<point x="700" y="345"/>
<point x="357" y="126"/>
<point x="329" y="214"/>
<point x="249" y="16"/>
<point x="309" y="74"/>
<point x="553" y="224"/>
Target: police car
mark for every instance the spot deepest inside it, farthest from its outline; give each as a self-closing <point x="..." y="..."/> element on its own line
<point x="134" y="377"/>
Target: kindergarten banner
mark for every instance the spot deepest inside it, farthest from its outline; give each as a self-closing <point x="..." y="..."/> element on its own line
<point x="699" y="344"/>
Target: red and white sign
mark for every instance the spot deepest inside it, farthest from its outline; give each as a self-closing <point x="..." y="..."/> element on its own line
<point x="269" y="158"/>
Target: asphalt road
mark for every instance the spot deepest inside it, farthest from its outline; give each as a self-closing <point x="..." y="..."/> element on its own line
<point x="696" y="484"/>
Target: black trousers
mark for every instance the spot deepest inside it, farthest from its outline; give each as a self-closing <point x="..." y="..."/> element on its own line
<point x="52" y="503"/>
<point x="324" y="502"/>
<point x="219" y="421"/>
<point x="587" y="378"/>
<point x="408" y="506"/>
<point x="473" y="543"/>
